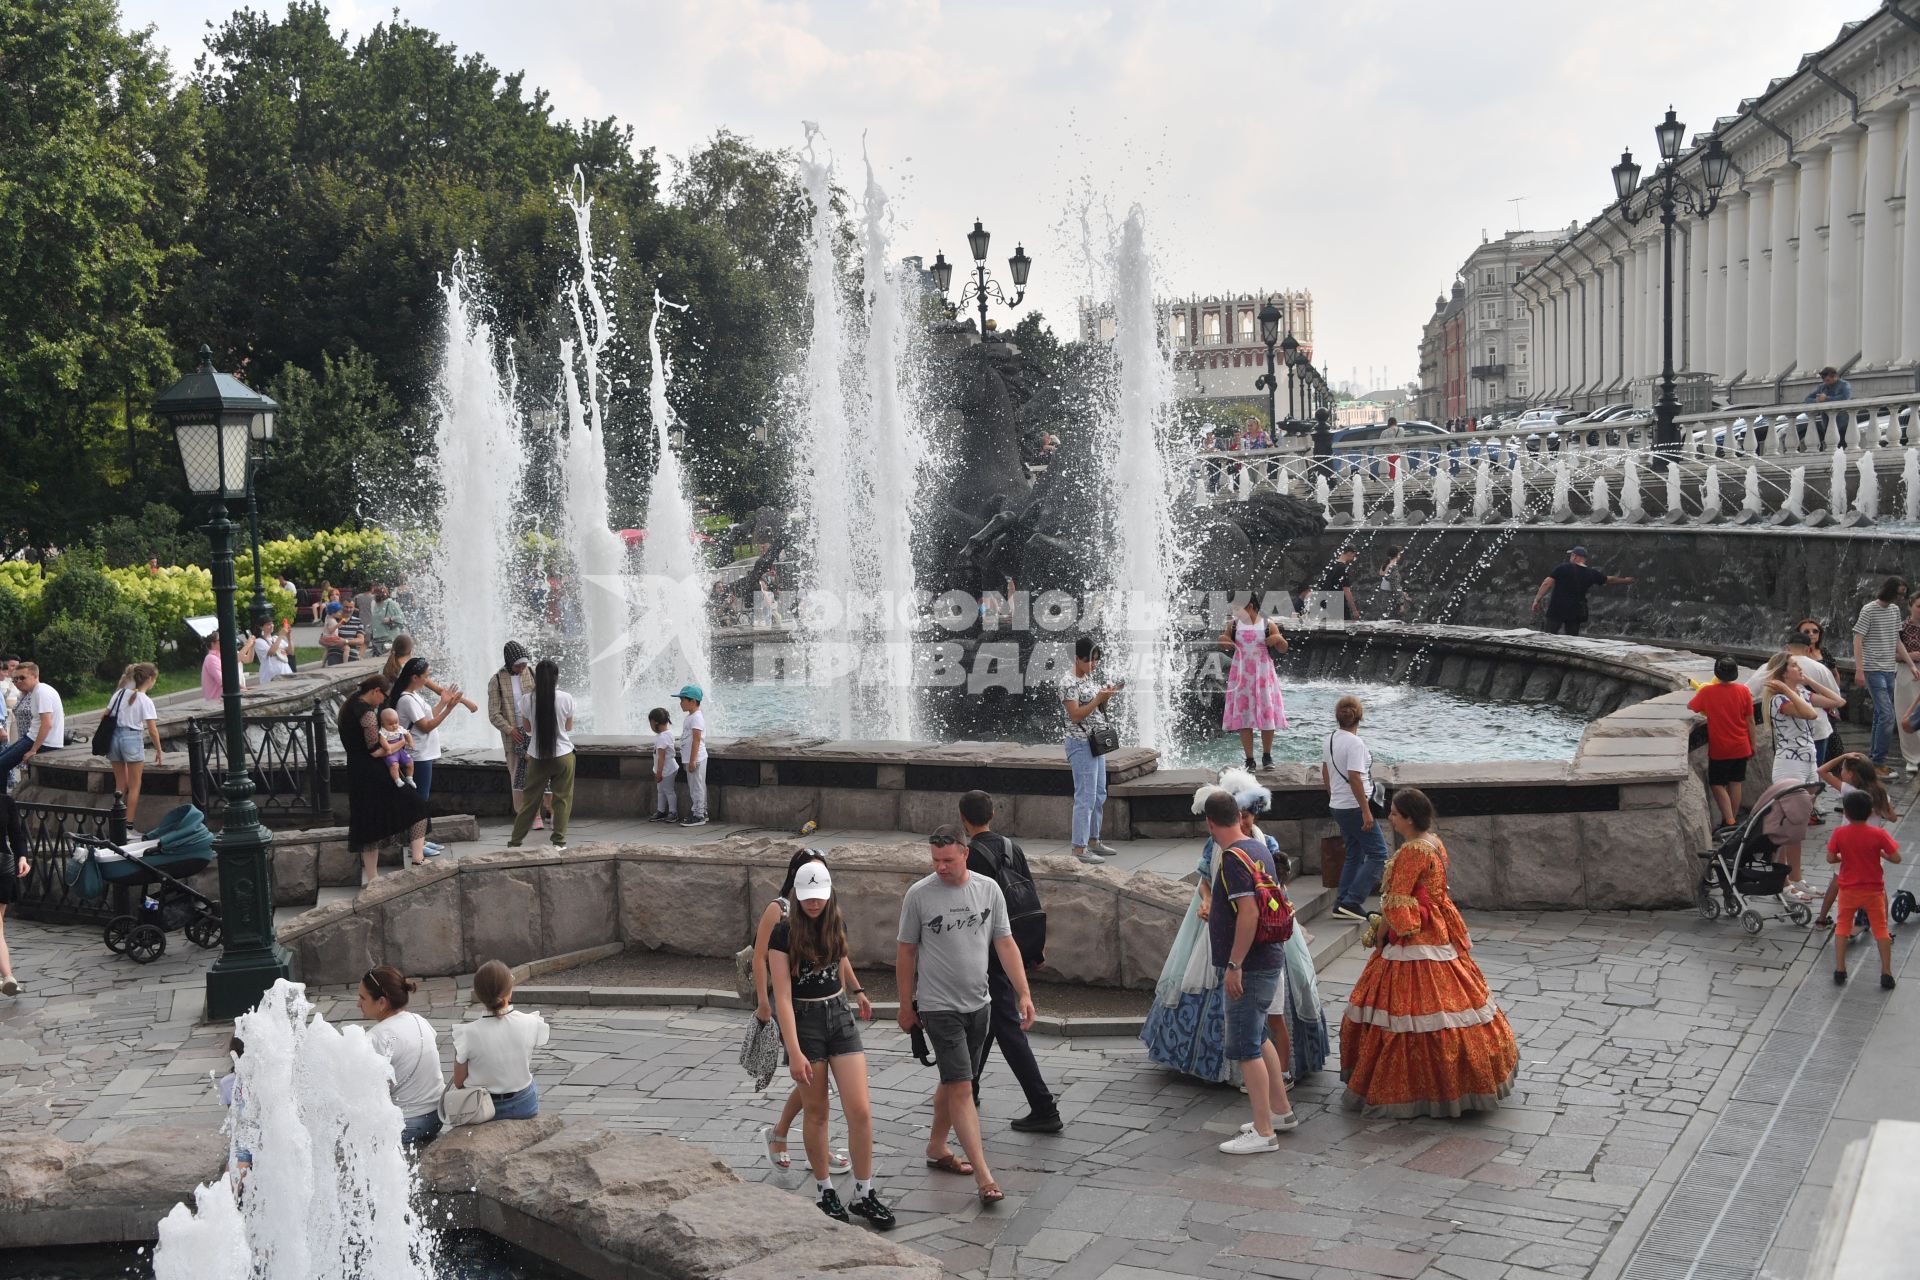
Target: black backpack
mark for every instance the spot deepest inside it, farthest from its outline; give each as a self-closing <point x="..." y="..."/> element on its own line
<point x="1025" y="916"/>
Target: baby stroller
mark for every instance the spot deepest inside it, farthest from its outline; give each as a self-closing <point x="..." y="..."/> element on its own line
<point x="178" y="847"/>
<point x="1741" y="869"/>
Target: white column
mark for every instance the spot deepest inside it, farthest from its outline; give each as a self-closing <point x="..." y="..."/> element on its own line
<point x="1691" y="342"/>
<point x="1611" y="274"/>
<point x="1759" y="263"/>
<point x="1712" y="357"/>
<point x="1910" y="264"/>
<point x="1650" y="354"/>
<point x="1785" y="270"/>
<point x="1733" y="350"/>
<point x="1630" y="312"/>
<point x="1879" y="315"/>
<point x="1550" y="353"/>
<point x="1811" y="337"/>
<point x="1594" y="287"/>
<point x="1843" y="248"/>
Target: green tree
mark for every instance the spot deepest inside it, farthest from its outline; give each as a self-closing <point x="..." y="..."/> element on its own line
<point x="96" y="162"/>
<point x="338" y="455"/>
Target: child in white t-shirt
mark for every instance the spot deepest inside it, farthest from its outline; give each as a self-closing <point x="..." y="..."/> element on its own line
<point x="693" y="754"/>
<point x="666" y="767"/>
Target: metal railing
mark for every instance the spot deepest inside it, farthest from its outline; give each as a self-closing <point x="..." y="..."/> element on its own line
<point x="50" y="830"/>
<point x="286" y="758"/>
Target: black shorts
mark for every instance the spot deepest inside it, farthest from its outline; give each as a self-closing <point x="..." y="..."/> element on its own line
<point x="1724" y="773"/>
<point x="1565" y="626"/>
<point x="958" y="1041"/>
<point x="826" y="1029"/>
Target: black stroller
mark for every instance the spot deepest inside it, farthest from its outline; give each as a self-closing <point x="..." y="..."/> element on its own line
<point x="180" y="846"/>
<point x="1741" y="870"/>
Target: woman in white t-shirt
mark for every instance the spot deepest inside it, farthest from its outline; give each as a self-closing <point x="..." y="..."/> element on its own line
<point x="274" y="649"/>
<point x="1346" y="770"/>
<point x="409" y="1042"/>
<point x="495" y="1051"/>
<point x="546" y="715"/>
<point x="423" y="721"/>
<point x="134" y="718"/>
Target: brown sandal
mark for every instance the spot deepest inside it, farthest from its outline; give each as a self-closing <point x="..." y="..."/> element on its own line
<point x="950" y="1163"/>
<point x="991" y="1194"/>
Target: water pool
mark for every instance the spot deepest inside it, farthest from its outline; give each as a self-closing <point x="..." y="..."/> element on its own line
<point x="461" y="1255"/>
<point x="1404" y="724"/>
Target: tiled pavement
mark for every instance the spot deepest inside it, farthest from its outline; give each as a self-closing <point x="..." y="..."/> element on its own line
<point x="1632" y="1029"/>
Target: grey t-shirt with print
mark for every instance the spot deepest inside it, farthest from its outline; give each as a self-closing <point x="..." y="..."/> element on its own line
<point x="1081" y="690"/>
<point x="954" y="928"/>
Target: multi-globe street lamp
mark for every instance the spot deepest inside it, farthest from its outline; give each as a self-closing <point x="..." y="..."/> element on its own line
<point x="983" y="288"/>
<point x="215" y="418"/>
<point x="1291" y="345"/>
<point x="1668" y="193"/>
<point x="1267" y="382"/>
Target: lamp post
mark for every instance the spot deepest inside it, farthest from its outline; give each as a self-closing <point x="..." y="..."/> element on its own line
<point x="1291" y="345"/>
<point x="260" y="432"/>
<point x="1267" y="382"/>
<point x="1668" y="193"/>
<point x="213" y="418"/>
<point x="983" y="288"/>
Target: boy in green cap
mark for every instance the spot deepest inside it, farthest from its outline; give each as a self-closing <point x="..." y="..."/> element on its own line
<point x="693" y="754"/>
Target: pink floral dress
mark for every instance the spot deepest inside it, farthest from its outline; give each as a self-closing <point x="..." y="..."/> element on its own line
<point x="1253" y="686"/>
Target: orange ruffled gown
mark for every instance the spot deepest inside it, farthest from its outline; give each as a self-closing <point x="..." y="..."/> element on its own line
<point x="1421" y="1035"/>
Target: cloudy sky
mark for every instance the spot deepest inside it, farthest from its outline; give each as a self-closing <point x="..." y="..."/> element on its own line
<point x="1356" y="149"/>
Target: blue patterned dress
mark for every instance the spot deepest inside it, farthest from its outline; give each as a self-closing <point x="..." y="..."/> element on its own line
<point x="1186" y="1027"/>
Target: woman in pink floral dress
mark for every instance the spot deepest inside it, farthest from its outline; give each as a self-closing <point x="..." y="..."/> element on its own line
<point x="1253" y="686"/>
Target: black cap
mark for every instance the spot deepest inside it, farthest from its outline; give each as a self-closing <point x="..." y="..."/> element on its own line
<point x="1578" y="551"/>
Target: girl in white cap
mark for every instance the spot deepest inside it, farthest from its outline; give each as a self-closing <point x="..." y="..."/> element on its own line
<point x="812" y="977"/>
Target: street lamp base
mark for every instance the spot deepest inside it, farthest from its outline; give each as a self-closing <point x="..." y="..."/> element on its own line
<point x="237" y="981"/>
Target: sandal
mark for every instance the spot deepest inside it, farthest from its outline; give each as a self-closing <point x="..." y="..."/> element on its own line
<point x="950" y="1163"/>
<point x="991" y="1194"/>
<point x="778" y="1159"/>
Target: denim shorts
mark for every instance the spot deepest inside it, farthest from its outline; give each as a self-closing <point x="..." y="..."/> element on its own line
<point x="826" y="1029"/>
<point x="420" y="1128"/>
<point x="1247" y="1016"/>
<point x="126" y="746"/>
<point x="958" y="1041"/>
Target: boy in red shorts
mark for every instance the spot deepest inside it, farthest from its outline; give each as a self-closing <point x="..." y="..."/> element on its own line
<point x="1728" y="706"/>
<point x="1860" y="848"/>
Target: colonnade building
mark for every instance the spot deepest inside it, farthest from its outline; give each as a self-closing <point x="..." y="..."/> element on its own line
<point x="1812" y="257"/>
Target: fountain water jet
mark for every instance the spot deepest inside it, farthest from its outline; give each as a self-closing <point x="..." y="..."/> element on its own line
<point x="1442" y="493"/>
<point x="1837" y="487"/>
<point x="1676" y="508"/>
<point x="1400" y="495"/>
<point x="1482" y="490"/>
<point x="1910" y="485"/>
<point x="1710" y="495"/>
<point x="1359" y="499"/>
<point x="1796" y="504"/>
<point x="1750" y="501"/>
<point x="1866" y="496"/>
<point x="1517" y="491"/>
<point x="1323" y="494"/>
<point x="1632" y="507"/>
<point x="1601" y="498"/>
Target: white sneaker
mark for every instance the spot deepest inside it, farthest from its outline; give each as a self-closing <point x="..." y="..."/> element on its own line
<point x="1091" y="858"/>
<point x="1281" y="1124"/>
<point x="1250" y="1144"/>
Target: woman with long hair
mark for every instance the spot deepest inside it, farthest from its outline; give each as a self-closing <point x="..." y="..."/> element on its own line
<point x="774" y="1136"/>
<point x="812" y="977"/>
<point x="274" y="648"/>
<point x="423" y="723"/>
<point x="399" y="652"/>
<point x="134" y="718"/>
<point x="546" y="715"/>
<point x="377" y="811"/>
<point x="1793" y="703"/>
<point x="1422" y="1035"/>
<point x="1253" y="685"/>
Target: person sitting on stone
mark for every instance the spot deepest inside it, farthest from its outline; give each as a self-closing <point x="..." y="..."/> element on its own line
<point x="495" y="1051"/>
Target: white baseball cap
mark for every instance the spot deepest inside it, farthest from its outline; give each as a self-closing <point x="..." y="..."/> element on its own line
<point x="812" y="882"/>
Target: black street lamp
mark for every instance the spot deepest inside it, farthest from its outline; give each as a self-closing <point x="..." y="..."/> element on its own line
<point x="260" y="433"/>
<point x="1669" y="193"/>
<point x="983" y="288"/>
<point x="1267" y="382"/>
<point x="1291" y="345"/>
<point x="213" y="418"/>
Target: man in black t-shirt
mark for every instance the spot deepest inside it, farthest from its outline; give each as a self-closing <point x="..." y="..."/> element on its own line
<point x="1337" y="578"/>
<point x="1566" y="610"/>
<point x="987" y="855"/>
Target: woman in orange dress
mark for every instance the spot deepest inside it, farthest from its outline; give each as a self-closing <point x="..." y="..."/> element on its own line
<point x="1422" y="1036"/>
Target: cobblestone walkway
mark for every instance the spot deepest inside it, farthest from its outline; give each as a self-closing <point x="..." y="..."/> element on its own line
<point x="1627" y="1023"/>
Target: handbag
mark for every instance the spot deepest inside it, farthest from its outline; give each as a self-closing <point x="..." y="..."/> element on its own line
<point x="466" y="1105"/>
<point x="109" y="721"/>
<point x="1376" y="789"/>
<point x="760" y="1050"/>
<point x="1102" y="738"/>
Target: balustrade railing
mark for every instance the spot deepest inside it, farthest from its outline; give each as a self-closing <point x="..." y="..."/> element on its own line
<point x="49" y="831"/>
<point x="286" y="758"/>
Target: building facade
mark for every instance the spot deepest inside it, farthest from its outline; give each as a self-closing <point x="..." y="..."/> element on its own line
<point x="1476" y="351"/>
<point x="1811" y="258"/>
<point x="1217" y="351"/>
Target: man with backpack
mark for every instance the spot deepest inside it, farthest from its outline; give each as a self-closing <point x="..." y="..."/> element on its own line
<point x="1248" y="923"/>
<point x="1000" y="859"/>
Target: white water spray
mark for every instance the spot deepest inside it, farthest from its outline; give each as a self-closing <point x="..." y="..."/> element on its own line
<point x="1323" y="494"/>
<point x="1145" y="564"/>
<point x="1631" y="504"/>
<point x="1837" y="486"/>
<point x="1750" y="501"/>
<point x="1796" y="504"/>
<point x="1675" y="506"/>
<point x="1399" y="495"/>
<point x="1710" y="495"/>
<point x="1359" y="497"/>
<point x="1482" y="490"/>
<point x="1866" y="496"/>
<point x="1910" y="485"/>
<point x="330" y="1193"/>
<point x="1562" y="486"/>
<point x="1517" y="491"/>
<point x="1442" y="492"/>
<point x="478" y="458"/>
<point x="599" y="581"/>
<point x="1601" y="497"/>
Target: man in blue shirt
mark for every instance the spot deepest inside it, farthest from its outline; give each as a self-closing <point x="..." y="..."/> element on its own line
<point x="1832" y="387"/>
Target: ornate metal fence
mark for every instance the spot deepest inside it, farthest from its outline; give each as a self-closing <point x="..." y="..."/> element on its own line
<point x="286" y="758"/>
<point x="50" y="829"/>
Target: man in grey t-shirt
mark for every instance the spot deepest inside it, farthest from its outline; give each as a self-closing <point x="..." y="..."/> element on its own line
<point x="947" y="922"/>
